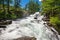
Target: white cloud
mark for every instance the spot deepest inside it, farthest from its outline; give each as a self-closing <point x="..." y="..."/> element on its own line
<point x="40" y="0"/>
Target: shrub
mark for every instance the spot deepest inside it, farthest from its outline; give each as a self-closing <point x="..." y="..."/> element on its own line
<point x="56" y="22"/>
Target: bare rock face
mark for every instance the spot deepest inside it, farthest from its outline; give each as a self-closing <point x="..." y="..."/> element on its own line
<point x="26" y="38"/>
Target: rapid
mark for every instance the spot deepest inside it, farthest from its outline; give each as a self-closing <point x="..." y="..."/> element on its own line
<point x="27" y="27"/>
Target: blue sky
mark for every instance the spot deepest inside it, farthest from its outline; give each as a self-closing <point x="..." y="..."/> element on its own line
<point x="24" y="2"/>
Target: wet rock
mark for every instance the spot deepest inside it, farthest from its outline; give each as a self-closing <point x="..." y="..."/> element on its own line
<point x="49" y="24"/>
<point x="7" y="22"/>
<point x="26" y="38"/>
<point x="45" y="19"/>
<point x="1" y="26"/>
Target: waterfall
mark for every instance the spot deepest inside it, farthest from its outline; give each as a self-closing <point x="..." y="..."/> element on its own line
<point x="27" y="27"/>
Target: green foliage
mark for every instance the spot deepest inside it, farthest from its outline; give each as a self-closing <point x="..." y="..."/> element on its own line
<point x="19" y="14"/>
<point x="13" y="16"/>
<point x="52" y="9"/>
<point x="33" y="6"/>
<point x="54" y="20"/>
<point x="2" y="15"/>
<point x="17" y="3"/>
<point x="8" y="11"/>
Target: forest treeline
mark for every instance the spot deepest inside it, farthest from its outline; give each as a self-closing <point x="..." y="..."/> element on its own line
<point x="51" y="8"/>
<point x="12" y="9"/>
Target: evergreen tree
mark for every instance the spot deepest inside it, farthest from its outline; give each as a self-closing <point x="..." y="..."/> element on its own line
<point x="17" y="4"/>
<point x="33" y="6"/>
<point x="51" y="7"/>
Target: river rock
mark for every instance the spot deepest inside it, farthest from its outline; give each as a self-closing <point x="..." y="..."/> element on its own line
<point x="26" y="38"/>
<point x="1" y="26"/>
<point x="7" y="22"/>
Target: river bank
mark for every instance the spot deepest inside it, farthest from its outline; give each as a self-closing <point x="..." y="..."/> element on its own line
<point x="51" y="27"/>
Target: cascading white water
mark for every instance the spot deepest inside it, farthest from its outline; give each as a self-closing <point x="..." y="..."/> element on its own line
<point x="28" y="27"/>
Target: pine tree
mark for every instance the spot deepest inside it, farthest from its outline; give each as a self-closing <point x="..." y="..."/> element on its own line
<point x="33" y="6"/>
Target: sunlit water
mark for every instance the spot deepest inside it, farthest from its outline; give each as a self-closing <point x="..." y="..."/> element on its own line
<point x="27" y="27"/>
